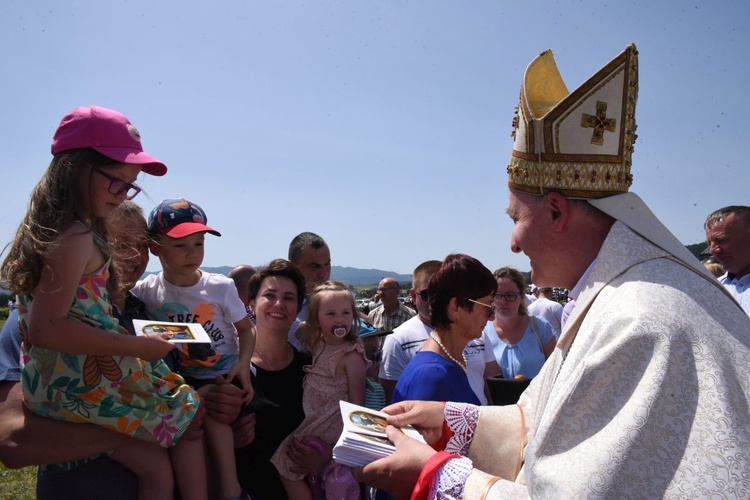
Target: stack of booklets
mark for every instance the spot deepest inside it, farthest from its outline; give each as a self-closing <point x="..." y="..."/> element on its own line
<point x="363" y="439"/>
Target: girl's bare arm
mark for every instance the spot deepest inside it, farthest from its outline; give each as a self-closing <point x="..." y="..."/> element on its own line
<point x="355" y="369"/>
<point x="49" y="326"/>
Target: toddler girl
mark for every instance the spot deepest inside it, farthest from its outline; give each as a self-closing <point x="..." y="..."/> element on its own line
<point x="79" y="364"/>
<point x="337" y="372"/>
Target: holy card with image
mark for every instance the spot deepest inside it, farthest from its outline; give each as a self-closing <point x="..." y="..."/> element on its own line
<point x="177" y="332"/>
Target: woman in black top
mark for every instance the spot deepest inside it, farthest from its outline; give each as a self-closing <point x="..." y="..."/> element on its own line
<point x="276" y="294"/>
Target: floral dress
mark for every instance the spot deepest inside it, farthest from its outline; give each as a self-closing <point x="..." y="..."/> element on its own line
<point x="322" y="391"/>
<point x="125" y="394"/>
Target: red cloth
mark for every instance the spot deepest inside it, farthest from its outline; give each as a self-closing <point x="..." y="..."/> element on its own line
<point x="439" y="445"/>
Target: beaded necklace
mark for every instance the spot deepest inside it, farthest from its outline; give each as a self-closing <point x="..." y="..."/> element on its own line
<point x="463" y="366"/>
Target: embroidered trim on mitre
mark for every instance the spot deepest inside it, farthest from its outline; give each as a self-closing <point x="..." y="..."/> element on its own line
<point x="579" y="143"/>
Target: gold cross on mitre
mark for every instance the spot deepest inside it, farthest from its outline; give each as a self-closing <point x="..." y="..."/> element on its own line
<point x="599" y="123"/>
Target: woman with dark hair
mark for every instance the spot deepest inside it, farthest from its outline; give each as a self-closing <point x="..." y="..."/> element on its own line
<point x="276" y="293"/>
<point x="521" y="343"/>
<point x="461" y="293"/>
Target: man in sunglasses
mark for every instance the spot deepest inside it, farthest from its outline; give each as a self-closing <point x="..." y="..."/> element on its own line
<point x="406" y="340"/>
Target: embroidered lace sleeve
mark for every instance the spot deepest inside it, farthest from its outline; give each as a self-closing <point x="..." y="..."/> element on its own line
<point x="450" y="479"/>
<point x="461" y="419"/>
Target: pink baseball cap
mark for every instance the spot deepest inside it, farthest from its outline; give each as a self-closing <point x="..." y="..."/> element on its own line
<point x="108" y="132"/>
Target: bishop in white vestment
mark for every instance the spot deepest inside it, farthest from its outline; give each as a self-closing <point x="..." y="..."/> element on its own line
<point x="646" y="395"/>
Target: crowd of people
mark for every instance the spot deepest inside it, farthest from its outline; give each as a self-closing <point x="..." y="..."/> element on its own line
<point x="638" y="386"/>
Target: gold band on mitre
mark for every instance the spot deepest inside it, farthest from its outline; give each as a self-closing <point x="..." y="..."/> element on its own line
<point x="576" y="143"/>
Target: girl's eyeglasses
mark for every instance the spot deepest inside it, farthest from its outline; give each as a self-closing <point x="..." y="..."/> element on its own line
<point x="490" y="306"/>
<point x="119" y="186"/>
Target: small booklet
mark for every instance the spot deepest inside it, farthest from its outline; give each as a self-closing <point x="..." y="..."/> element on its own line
<point x="363" y="439"/>
<point x="178" y="332"/>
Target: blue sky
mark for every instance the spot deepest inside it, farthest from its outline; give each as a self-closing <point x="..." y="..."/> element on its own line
<point x="383" y="126"/>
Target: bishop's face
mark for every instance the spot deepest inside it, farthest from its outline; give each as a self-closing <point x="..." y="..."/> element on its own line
<point x="531" y="233"/>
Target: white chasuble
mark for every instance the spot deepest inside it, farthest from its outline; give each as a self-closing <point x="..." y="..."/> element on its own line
<point x="645" y="397"/>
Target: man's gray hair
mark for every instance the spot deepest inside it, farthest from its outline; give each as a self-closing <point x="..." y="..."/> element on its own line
<point x="740" y="211"/>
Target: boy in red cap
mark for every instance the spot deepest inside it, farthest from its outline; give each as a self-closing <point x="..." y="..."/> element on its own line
<point x="183" y="293"/>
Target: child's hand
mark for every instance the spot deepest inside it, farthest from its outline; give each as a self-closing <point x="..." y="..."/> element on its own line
<point x="153" y="347"/>
<point x="244" y="377"/>
<point x="307" y="459"/>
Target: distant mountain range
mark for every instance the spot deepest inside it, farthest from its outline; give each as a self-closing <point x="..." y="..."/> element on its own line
<point x="349" y="275"/>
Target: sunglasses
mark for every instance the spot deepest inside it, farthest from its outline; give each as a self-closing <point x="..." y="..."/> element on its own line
<point x="424" y="295"/>
<point x="490" y="306"/>
<point x="119" y="186"/>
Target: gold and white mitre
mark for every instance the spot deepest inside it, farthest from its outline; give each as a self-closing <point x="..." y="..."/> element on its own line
<point x="576" y="143"/>
<point x="580" y="144"/>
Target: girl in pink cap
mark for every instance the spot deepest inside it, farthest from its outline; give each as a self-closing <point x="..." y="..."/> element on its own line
<point x="79" y="364"/>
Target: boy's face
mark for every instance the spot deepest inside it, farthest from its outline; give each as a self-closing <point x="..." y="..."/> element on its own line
<point x="180" y="258"/>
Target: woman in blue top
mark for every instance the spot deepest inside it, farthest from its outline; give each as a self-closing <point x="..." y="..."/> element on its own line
<point x="521" y="343"/>
<point x="461" y="294"/>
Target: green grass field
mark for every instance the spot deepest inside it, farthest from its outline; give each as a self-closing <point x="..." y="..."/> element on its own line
<point x="19" y="483"/>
